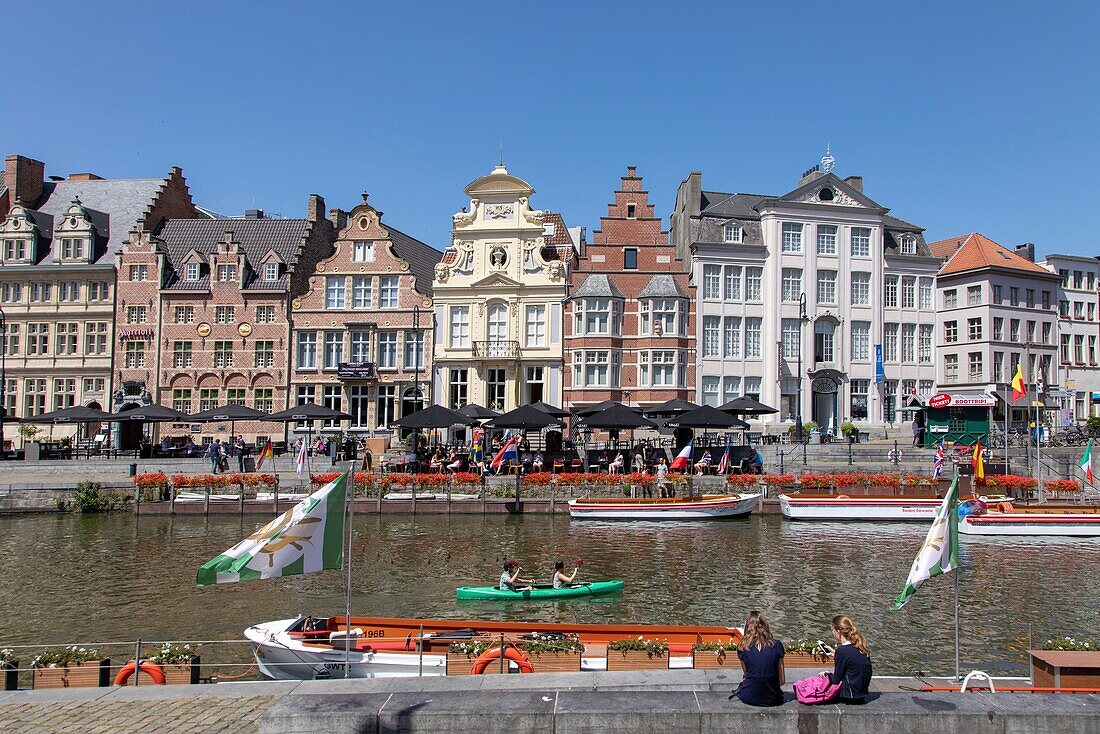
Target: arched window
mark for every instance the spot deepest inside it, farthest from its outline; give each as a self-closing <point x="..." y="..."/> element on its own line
<point x="498" y="322"/>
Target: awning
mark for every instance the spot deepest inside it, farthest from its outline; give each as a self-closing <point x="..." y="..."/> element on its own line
<point x="953" y="400"/>
<point x="1028" y="401"/>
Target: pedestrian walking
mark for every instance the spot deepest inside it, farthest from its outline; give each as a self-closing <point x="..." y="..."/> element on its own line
<point x="918" y="432"/>
<point x="238" y="448"/>
<point x="214" y="453"/>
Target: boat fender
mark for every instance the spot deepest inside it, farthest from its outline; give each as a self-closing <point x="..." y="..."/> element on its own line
<point x="1003" y="507"/>
<point x="512" y="653"/>
<point x="153" y="670"/>
<point x="843" y="497"/>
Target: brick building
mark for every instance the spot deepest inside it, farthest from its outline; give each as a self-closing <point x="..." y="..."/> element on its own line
<point x="204" y="315"/>
<point x="630" y="316"/>
<point x="363" y="327"/>
<point x="59" y="239"/>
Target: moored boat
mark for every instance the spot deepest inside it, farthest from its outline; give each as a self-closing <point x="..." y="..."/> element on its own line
<point x="1004" y="518"/>
<point x="540" y="591"/>
<point x="809" y="506"/>
<point x="706" y="507"/>
<point x="307" y="648"/>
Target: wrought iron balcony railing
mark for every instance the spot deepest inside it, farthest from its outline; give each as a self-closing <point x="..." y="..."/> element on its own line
<point x="496" y="350"/>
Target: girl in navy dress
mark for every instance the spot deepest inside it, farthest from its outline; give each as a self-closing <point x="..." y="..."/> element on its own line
<point x="761" y="657"/>
<point x="851" y="662"/>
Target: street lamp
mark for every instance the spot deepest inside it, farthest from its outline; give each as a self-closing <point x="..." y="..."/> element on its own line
<point x="802" y="319"/>
<point x="417" y="346"/>
<point x="3" y="377"/>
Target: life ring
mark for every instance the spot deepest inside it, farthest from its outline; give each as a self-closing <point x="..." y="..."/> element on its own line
<point x="511" y="653"/>
<point x="1003" y="507"/>
<point x="153" y="670"/>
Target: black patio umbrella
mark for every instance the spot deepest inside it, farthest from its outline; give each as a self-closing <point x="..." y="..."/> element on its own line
<point x="676" y="406"/>
<point x="434" y="416"/>
<point x="746" y="405"/>
<point x="231" y="412"/>
<point x="474" y="410"/>
<point x="615" y="417"/>
<point x="707" y="417"/>
<point x="152" y="413"/>
<point x="72" y="414"/>
<point x="307" y="412"/>
<point x="525" y="417"/>
<point x="550" y="409"/>
<point x="590" y="409"/>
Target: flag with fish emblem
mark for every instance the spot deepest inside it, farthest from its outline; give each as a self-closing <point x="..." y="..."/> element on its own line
<point x="938" y="467"/>
<point x="940" y="552"/>
<point x="307" y="538"/>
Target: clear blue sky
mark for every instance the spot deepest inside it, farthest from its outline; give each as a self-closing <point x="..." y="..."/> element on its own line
<point x="959" y="116"/>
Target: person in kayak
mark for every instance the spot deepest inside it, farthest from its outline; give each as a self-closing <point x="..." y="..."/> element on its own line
<point x="560" y="580"/>
<point x="510" y="576"/>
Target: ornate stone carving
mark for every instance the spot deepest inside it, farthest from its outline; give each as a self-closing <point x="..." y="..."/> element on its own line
<point x="532" y="261"/>
<point x="499" y="211"/>
<point x="498" y="257"/>
<point x="533" y="216"/>
<point x="442" y="273"/>
<point x="839" y="197"/>
<point x="464" y="257"/>
<point x="555" y="269"/>
<point x="465" y="219"/>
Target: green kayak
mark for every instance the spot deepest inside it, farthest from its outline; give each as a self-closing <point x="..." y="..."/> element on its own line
<point x="541" y="591"/>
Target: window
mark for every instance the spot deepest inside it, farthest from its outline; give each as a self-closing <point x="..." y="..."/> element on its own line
<point x="890" y="343"/>
<point x="593" y="316"/>
<point x="658" y="368"/>
<point x="712" y="282"/>
<point x="181" y="400"/>
<point x="908" y="245"/>
<point x="754" y="288"/>
<point x="332" y="397"/>
<point x="1030" y="330"/>
<point x="997" y="293"/>
<point x="208" y="398"/>
<point x="710" y="390"/>
<point x="925" y="303"/>
<point x="731" y="388"/>
<point x="592" y="369"/>
<point x="974" y="329"/>
<point x="263" y="353"/>
<point x="712" y="327"/>
<point x="263" y="399"/>
<point x="998" y="361"/>
<point x="307" y="350"/>
<point x="976" y="370"/>
<point x="11" y="339"/>
<point x="224" y="315"/>
<point x="1046" y="299"/>
<point x="496" y="387"/>
<point x="630" y="209"/>
<point x="660" y="317"/>
<point x="908" y="292"/>
<point x="826" y="286"/>
<point x="362" y="251"/>
<point x="859" y="390"/>
<point x="69" y="291"/>
<point x="733" y="283"/>
<point x="386" y="405"/>
<point x="630" y="258"/>
<point x="950" y="298"/>
<point x="1092" y="349"/>
<point x="223" y="354"/>
<point x="334" y="349"/>
<point x="861" y="242"/>
<point x="861" y="289"/>
<point x="387" y="350"/>
<point x="16" y="250"/>
<point x="909" y="343"/>
<point x="792" y="284"/>
<point x="387" y="291"/>
<point x="135" y="355"/>
<point x="12" y="292"/>
<point x="731" y="337"/>
<point x="824" y="332"/>
<point x="38" y="339"/>
<point x="1014" y="296"/>
<point x="359" y="405"/>
<point x="41" y="292"/>
<point x="93" y="385"/>
<point x="924" y="346"/>
<point x="535" y="326"/>
<point x="34" y="396"/>
<point x="792" y="237"/>
<point x="1065" y="348"/>
<point x="1014" y="330"/>
<point x="950" y="368"/>
<point x="459" y="387"/>
<point x="998" y="328"/>
<point x="826" y="239"/>
<point x="753" y="327"/>
<point x="360" y="346"/>
<point x="460" y="327"/>
<point x="1079" y="348"/>
<point x="534" y="385"/>
<point x="861" y="340"/>
<point x="136" y="314"/>
<point x="731" y="233"/>
<point x="498" y="323"/>
<point x="1064" y="274"/>
<point x="791" y="338"/>
<point x="1063" y="309"/>
<point x="1092" y="311"/>
<point x="414" y="350"/>
<point x="1078" y="309"/>
<point x="235" y="395"/>
<point x="68" y="336"/>
<point x="139" y="273"/>
<point x="1078" y="275"/>
<point x="1029" y="297"/>
<point x="360" y="292"/>
<point x="890" y="291"/>
<point x="950" y="332"/>
<point x="334" y="291"/>
<point x="227" y="273"/>
<point x="191" y="273"/>
<point x="271" y="272"/>
<point x="181" y="354"/>
<point x="265" y="314"/>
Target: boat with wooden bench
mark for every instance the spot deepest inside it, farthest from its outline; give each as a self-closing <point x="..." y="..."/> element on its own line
<point x="704" y="507"/>
<point x="824" y="506"/>
<point x="1007" y="518"/>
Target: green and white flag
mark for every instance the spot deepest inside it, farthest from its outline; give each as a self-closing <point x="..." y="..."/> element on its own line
<point x="940" y="552"/>
<point x="307" y="538"/>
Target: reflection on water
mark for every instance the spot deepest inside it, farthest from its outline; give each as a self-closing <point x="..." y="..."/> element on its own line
<point x="72" y="578"/>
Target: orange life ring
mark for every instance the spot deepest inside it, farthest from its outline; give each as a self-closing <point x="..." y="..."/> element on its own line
<point x="153" y="670"/>
<point x="1003" y="507"/>
<point x="511" y="653"/>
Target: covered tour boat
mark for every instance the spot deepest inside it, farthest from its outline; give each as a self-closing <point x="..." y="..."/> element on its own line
<point x="1005" y="518"/>
<point x="808" y="506"/>
<point x="705" y="507"/>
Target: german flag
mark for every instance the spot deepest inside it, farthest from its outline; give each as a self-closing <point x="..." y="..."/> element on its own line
<point x="265" y="452"/>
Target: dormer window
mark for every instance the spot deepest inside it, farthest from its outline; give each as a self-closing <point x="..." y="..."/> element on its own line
<point x="16" y="250"/>
<point x="271" y="272"/>
<point x="732" y="233"/>
<point x="362" y="252"/>
<point x="908" y="245"/>
<point x="227" y="273"/>
<point x="192" y="272"/>
<point x="72" y="249"/>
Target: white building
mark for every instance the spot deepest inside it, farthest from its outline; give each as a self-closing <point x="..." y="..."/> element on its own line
<point x="1078" y="333"/>
<point x="822" y="273"/>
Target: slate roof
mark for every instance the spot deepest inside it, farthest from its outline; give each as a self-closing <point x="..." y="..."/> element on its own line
<point x="597" y="285"/>
<point x="662" y="286"/>
<point x="3" y="185"/>
<point x="976" y="251"/>
<point x="422" y="258"/>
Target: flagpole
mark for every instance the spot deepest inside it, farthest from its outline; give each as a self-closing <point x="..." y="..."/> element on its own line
<point x="349" y="507"/>
<point x="956" y="574"/>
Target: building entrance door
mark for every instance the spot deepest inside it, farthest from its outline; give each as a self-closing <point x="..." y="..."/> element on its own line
<point x="825" y="404"/>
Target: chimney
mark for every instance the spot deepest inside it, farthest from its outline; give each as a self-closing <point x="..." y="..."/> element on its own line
<point x="338" y="217"/>
<point x="810" y="175"/>
<point x="1026" y="251"/>
<point x="315" y="209"/>
<point x="254" y="214"/>
<point x="856" y="182"/>
<point x="23" y="177"/>
<point x="84" y="177"/>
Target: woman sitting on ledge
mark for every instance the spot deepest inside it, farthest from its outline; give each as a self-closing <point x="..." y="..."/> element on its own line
<point x="761" y="657"/>
<point x="851" y="662"/>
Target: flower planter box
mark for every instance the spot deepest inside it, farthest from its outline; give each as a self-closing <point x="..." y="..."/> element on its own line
<point x="90" y="674"/>
<point x="807" y="661"/>
<point x="709" y="660"/>
<point x="635" y="660"/>
<point x="1065" y="669"/>
<point x="182" y="673"/>
<point x="561" y="661"/>
<point x="11" y="675"/>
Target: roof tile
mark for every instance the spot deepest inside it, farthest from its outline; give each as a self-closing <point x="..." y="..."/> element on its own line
<point x="975" y="252"/>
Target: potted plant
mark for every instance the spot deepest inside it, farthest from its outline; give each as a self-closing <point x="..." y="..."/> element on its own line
<point x="71" y="667"/>
<point x="461" y="655"/>
<point x="10" y="666"/>
<point x="179" y="662"/>
<point x="553" y="653"/>
<point x="807" y="654"/>
<point x="637" y="653"/>
<point x="1065" y="662"/>
<point x="849" y="430"/>
<point x="714" y="655"/>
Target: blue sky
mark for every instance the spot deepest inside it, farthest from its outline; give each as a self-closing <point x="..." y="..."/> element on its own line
<point x="960" y="116"/>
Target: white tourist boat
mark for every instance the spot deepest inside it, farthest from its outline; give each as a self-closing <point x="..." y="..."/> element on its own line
<point x="706" y="507"/>
<point x="803" y="506"/>
<point x="1049" y="520"/>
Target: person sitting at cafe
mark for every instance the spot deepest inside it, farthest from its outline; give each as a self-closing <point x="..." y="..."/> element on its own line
<point x="454" y="462"/>
<point x="616" y="466"/>
<point x="602" y="461"/>
<point x="526" y="459"/>
<point x="537" y="462"/>
<point x="436" y="463"/>
<point x="165" y="445"/>
<point x="193" y="448"/>
<point x="757" y="461"/>
<point x="523" y="444"/>
<point x="703" y="464"/>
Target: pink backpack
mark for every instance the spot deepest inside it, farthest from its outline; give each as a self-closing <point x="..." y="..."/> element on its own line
<point x="816" y="689"/>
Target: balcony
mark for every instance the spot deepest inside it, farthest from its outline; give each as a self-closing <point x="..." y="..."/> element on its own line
<point x="496" y="350"/>
<point x="356" y="371"/>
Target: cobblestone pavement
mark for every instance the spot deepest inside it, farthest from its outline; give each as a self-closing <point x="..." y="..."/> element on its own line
<point x="207" y="715"/>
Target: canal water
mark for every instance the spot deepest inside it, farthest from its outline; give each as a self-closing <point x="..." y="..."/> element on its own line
<point x="90" y="578"/>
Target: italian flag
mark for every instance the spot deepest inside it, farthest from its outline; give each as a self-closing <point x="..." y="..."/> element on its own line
<point x="940" y="552"/>
<point x="307" y="538"/>
<point x="1086" y="462"/>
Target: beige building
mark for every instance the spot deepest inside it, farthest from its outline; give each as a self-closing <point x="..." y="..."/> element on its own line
<point x="498" y="295"/>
